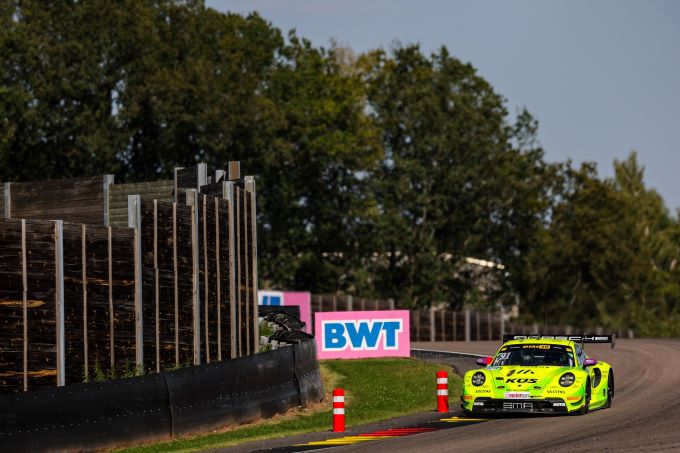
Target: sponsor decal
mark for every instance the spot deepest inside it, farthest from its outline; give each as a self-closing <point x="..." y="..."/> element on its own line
<point x="573" y="398"/>
<point x="271" y="298"/>
<point x="482" y="391"/>
<point x="512" y="405"/>
<point x="560" y="404"/>
<point x="468" y="397"/>
<point x="521" y="381"/>
<point x="516" y="395"/>
<point x="478" y="403"/>
<point x="359" y="334"/>
<point x="493" y="368"/>
<point x="559" y="392"/>
<point x="536" y="346"/>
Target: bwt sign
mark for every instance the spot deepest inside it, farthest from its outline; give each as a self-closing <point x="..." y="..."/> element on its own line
<point x="359" y="334"/>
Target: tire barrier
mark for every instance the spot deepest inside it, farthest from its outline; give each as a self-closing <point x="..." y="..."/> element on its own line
<point x="161" y="406"/>
<point x="288" y="330"/>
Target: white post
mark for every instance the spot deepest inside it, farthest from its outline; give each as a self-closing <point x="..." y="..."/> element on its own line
<point x="135" y="221"/>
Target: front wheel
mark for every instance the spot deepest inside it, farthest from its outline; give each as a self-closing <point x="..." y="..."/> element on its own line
<point x="586" y="405"/>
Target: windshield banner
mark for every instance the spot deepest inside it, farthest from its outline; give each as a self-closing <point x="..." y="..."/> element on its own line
<point x="362" y="334"/>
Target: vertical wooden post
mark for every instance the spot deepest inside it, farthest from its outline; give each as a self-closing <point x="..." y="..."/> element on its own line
<point x="234" y="170"/>
<point x="443" y="324"/>
<point x="218" y="277"/>
<point x="239" y="267"/>
<point x="250" y="187"/>
<point x="391" y="302"/>
<point x="478" y="335"/>
<point x="433" y="325"/>
<point x="24" y="282"/>
<point x="416" y="313"/>
<point x="174" y="277"/>
<point x="192" y="200"/>
<point x="490" y="326"/>
<point x="107" y="182"/>
<point x="467" y="324"/>
<point x="83" y="246"/>
<point x="7" y="195"/>
<point x="59" y="299"/>
<point x="206" y="293"/>
<point x="177" y="169"/>
<point x="455" y="326"/>
<point x="111" y="315"/>
<point x="135" y="221"/>
<point x="228" y="194"/>
<point x="156" y="286"/>
<point x="245" y="269"/>
<point x="201" y="176"/>
<point x="219" y="175"/>
<point x="350" y="303"/>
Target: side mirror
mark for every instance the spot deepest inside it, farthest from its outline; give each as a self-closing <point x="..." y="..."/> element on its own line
<point x="484" y="361"/>
<point x="590" y="362"/>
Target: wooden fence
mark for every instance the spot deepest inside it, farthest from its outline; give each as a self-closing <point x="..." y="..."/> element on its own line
<point x="437" y="324"/>
<point x="176" y="287"/>
<point x="81" y="200"/>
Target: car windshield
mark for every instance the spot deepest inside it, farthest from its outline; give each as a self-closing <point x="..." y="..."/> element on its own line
<point x="534" y="355"/>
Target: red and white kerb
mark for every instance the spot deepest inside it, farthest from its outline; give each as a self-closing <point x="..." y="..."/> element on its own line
<point x="338" y="410"/>
<point x="442" y="391"/>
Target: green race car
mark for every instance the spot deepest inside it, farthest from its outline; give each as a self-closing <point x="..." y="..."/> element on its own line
<point x="541" y="375"/>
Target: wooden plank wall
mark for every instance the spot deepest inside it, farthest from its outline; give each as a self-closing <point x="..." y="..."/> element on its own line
<point x="168" y="277"/>
<point x="11" y="307"/>
<point x="118" y="201"/>
<point x="198" y="282"/>
<point x="28" y="308"/>
<point x="74" y="200"/>
<point x="99" y="329"/>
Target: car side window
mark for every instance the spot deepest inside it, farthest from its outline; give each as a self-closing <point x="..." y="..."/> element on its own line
<point x="580" y="356"/>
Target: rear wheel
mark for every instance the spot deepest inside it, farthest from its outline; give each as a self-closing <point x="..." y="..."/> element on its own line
<point x="610" y="389"/>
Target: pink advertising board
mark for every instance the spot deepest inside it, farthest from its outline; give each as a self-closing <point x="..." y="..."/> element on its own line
<point x="289" y="298"/>
<point x="362" y="334"/>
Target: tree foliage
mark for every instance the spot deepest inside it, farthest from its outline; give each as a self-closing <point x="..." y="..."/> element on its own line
<point x="381" y="174"/>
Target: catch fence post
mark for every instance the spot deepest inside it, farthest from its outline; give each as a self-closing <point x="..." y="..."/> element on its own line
<point x="442" y="391"/>
<point x="338" y="410"/>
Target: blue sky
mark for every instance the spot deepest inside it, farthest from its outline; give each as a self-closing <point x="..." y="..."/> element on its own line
<point x="602" y="77"/>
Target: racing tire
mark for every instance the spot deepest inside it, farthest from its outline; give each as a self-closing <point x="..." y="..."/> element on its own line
<point x="610" y="390"/>
<point x="586" y="404"/>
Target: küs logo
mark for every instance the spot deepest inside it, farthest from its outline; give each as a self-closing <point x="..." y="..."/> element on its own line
<point x="360" y="334"/>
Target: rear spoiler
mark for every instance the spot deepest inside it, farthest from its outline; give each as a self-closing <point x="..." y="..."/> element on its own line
<point x="585" y="338"/>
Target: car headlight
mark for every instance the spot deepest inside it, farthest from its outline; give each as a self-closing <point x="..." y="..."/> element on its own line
<point x="478" y="379"/>
<point x="567" y="379"/>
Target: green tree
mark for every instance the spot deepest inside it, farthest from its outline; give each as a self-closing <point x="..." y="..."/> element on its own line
<point x="453" y="181"/>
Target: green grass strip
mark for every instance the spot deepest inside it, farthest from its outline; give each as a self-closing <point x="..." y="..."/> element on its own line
<point x="375" y="389"/>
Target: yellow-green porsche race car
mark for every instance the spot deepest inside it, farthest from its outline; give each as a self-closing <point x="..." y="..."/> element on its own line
<point x="540" y="374"/>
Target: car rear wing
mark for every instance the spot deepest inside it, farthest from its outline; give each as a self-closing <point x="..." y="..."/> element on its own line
<point x="585" y="338"/>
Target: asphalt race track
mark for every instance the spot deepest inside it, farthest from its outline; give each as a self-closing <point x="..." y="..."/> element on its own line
<point x="645" y="415"/>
